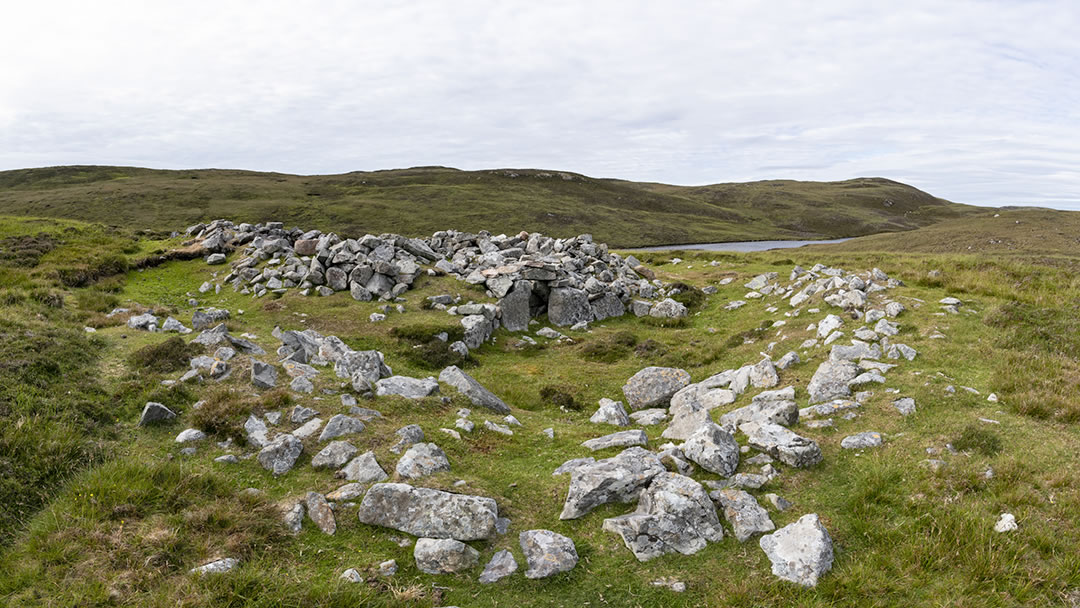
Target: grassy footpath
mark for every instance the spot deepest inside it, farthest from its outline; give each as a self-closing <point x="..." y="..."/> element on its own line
<point x="420" y="201"/>
<point x="108" y="514"/>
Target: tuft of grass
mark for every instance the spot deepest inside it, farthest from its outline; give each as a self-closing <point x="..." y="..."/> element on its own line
<point x="610" y="348"/>
<point x="978" y="439"/>
<point x="223" y="413"/>
<point x="171" y="355"/>
<point x="560" y="396"/>
<point x="689" y="296"/>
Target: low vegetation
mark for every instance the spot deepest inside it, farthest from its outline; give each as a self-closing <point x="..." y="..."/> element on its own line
<point x="101" y="512"/>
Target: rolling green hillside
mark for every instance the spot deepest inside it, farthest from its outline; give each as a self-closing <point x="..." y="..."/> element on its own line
<point x="422" y="200"/>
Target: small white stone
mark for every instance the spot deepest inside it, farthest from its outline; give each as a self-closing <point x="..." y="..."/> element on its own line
<point x="1007" y="523"/>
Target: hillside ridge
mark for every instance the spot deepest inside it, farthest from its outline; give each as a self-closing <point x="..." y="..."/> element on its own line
<point x="421" y="200"/>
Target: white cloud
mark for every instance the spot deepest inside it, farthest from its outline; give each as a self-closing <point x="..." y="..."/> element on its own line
<point x="975" y="101"/>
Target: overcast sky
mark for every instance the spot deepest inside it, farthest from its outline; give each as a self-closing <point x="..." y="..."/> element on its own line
<point x="974" y="101"/>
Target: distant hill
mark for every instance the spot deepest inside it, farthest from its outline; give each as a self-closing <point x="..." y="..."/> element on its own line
<point x="1023" y="232"/>
<point x="422" y="200"/>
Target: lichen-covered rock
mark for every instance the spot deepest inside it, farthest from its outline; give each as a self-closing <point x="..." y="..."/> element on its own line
<point x="713" y="449"/>
<point x="654" y="387"/>
<point x="800" y="552"/>
<point x="429" y="513"/>
<point x="743" y="512"/>
<point x="364" y="469"/>
<point x="421" y="460"/>
<point x="617" y="479"/>
<point x="831" y="380"/>
<point x="280" y="455"/>
<point x="154" y="412"/>
<point x="674" y="514"/>
<point x="444" y="556"/>
<point x="404" y="386"/>
<point x="469" y="387"/>
<point x="320" y="512"/>
<point x="502" y="565"/>
<point x="339" y="425"/>
<point x="620" y="439"/>
<point x="334" y="455"/>
<point x="263" y="375"/>
<point x="547" y="553"/>
<point x="568" y="306"/>
<point x="782" y="444"/>
<point x="610" y="412"/>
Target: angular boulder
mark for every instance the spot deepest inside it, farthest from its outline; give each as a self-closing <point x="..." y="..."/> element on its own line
<point x="782" y="444"/>
<point x="831" y="380"/>
<point x="280" y="455"/>
<point x="743" y="512"/>
<point x="469" y="387"/>
<point x="674" y="514"/>
<point x="654" y="387"/>
<point x="547" y="553"/>
<point x="713" y="449"/>
<point x="800" y="552"/>
<point x="405" y="386"/>
<point x="429" y="513"/>
<point x="617" y="479"/>
<point x="421" y="460"/>
<point x="568" y="306"/>
<point x="444" y="556"/>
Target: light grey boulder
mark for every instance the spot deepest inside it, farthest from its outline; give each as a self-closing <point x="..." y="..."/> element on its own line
<point x="617" y="479"/>
<point x="668" y="309"/>
<point x="256" y="432"/>
<point x="763" y="374"/>
<point x="219" y="566"/>
<point x="859" y="441"/>
<point x="801" y="552"/>
<point x="649" y="417"/>
<point x="421" y="460"/>
<point x="201" y="320"/>
<point x="620" y="439"/>
<point x="743" y="512"/>
<point x="429" y="513"/>
<point x="607" y="306"/>
<point x="610" y="412"/>
<point x="828" y="325"/>
<point x="154" y="412"/>
<point x="674" y="514"/>
<point x="263" y="375"/>
<point x="777" y="407"/>
<point x="515" y="307"/>
<point x="894" y="309"/>
<point x="780" y="443"/>
<point x="293" y="516"/>
<point x="904" y="405"/>
<point x="145" y="322"/>
<point x="473" y="390"/>
<point x="319" y="511"/>
<point x="760" y="281"/>
<point x="407" y="435"/>
<point x="886" y="327"/>
<point x="334" y="455"/>
<point x="478" y="329"/>
<point x="444" y="556"/>
<point x="346" y="492"/>
<point x="308" y="429"/>
<point x="301" y="414"/>
<point x="654" y="387"/>
<point x="713" y="449"/>
<point x="857" y="350"/>
<point x="408" y="387"/>
<point x="357" y="365"/>
<point x="831" y="380"/>
<point x="502" y="565"/>
<point x="280" y="455"/>
<point x="547" y="553"/>
<point x="340" y="425"/>
<point x="301" y="385"/>
<point x="897" y="351"/>
<point x="568" y="306"/>
<point x="364" y="469"/>
<point x="190" y="435"/>
<point x="791" y="358"/>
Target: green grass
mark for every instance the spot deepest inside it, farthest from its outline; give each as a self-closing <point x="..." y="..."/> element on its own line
<point x="110" y="514"/>
<point x="420" y="201"/>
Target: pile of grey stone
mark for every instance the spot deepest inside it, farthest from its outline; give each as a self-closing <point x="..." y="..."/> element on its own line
<point x="572" y="280"/>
